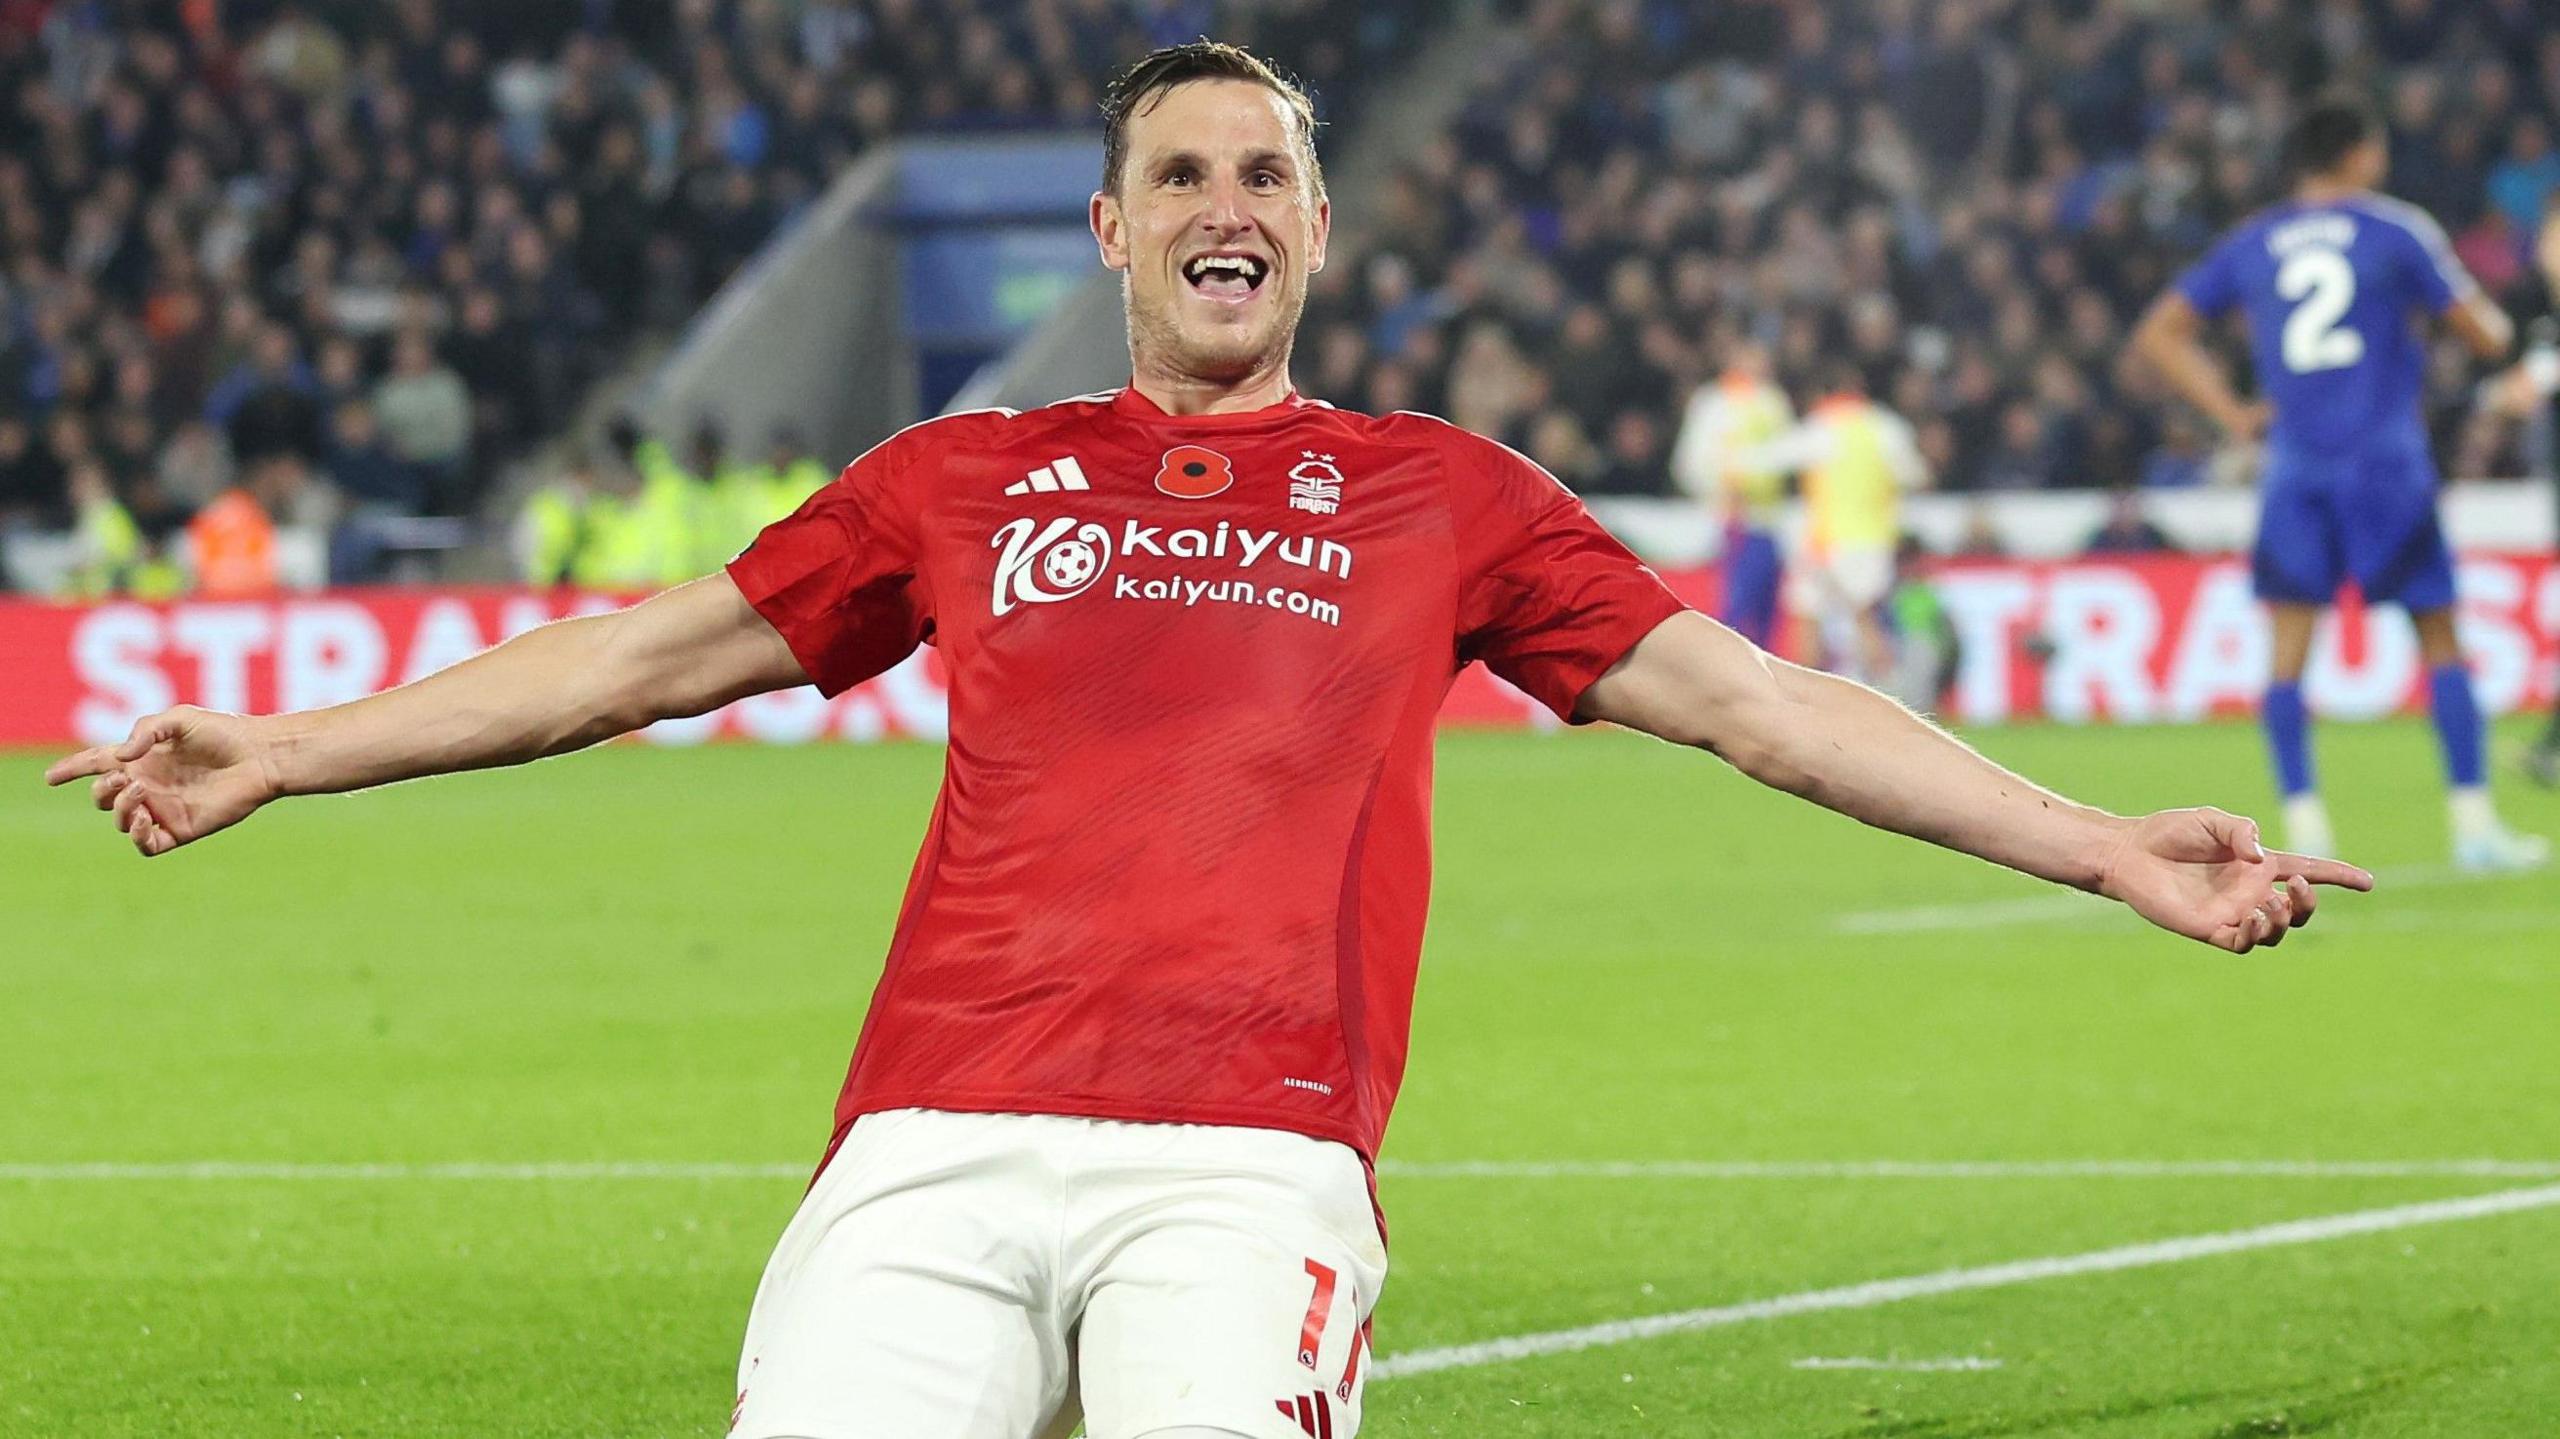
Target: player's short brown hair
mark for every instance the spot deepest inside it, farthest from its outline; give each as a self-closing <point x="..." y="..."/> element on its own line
<point x="1149" y="77"/>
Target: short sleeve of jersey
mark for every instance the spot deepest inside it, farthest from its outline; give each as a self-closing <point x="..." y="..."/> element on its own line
<point x="2212" y="285"/>
<point x="837" y="578"/>
<point x="1548" y="599"/>
<point x="2436" y="278"/>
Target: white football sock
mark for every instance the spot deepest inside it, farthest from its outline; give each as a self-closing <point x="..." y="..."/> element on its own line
<point x="2472" y="812"/>
<point x="2306" y="825"/>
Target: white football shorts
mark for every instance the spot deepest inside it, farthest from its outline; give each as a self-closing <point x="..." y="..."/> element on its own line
<point x="999" y="1276"/>
<point x="1849" y="579"/>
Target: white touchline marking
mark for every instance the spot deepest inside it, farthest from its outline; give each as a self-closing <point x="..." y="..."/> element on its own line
<point x="1739" y="1169"/>
<point x="1962" y="1364"/>
<point x="252" y="1169"/>
<point x="1954" y="1281"/>
<point x="1976" y="1169"/>
<point x="2031" y="909"/>
<point x="2072" y="904"/>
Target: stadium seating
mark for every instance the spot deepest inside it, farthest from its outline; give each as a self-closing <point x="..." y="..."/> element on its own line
<point x="354" y="256"/>
<point x="1971" y="199"/>
<point x="359" y="255"/>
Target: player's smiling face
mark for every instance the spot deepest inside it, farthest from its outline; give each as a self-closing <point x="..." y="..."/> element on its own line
<point x="1217" y="226"/>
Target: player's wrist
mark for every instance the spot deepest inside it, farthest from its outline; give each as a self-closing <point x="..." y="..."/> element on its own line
<point x="2104" y="842"/>
<point x="277" y="746"/>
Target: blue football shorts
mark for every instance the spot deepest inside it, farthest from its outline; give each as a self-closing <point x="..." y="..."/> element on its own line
<point x="2362" y="515"/>
<point x="1752" y="569"/>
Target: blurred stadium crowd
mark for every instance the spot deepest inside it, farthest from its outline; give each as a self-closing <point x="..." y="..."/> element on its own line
<point x="334" y="263"/>
<point x="1964" y="203"/>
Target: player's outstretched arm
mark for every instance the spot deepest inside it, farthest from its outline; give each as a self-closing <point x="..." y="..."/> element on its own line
<point x="187" y="772"/>
<point x="2199" y="872"/>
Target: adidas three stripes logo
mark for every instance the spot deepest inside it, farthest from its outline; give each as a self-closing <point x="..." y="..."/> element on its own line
<point x="1059" y="474"/>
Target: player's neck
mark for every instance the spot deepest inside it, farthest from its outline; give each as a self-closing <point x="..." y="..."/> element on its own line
<point x="2325" y="192"/>
<point x="1178" y="394"/>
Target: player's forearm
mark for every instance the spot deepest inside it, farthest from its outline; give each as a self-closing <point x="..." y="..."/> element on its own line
<point x="558" y="688"/>
<point x="2187" y="369"/>
<point x="2482" y="326"/>
<point x="1848" y="748"/>
<point x="547" y="691"/>
<point x="1842" y="745"/>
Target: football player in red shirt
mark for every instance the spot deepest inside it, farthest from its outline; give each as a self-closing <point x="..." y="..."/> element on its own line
<point x="1104" y="1145"/>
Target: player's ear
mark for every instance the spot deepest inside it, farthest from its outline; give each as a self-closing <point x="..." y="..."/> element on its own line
<point x="1323" y="231"/>
<point x="1110" y="229"/>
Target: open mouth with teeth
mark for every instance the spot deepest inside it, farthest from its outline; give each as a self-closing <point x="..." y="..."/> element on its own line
<point x="1230" y="278"/>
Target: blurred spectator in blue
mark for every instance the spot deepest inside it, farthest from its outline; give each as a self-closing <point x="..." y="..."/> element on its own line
<point x="2127" y="530"/>
<point x="274" y="362"/>
<point x="376" y="486"/>
<point x="2181" y="460"/>
<point x="364" y="468"/>
<point x="274" y="413"/>
<point x="2017" y="460"/>
<point x="2526" y="175"/>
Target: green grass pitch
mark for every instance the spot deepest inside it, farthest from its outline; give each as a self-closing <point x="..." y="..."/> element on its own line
<point x="660" y="957"/>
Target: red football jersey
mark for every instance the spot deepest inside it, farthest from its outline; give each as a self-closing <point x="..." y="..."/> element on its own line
<point x="1178" y="868"/>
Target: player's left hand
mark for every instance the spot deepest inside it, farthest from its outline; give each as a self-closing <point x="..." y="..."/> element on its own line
<point x="2203" y="873"/>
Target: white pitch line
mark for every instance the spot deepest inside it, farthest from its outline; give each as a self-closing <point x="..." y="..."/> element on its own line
<point x="2032" y="909"/>
<point x="1735" y="1169"/>
<point x="1963" y="1364"/>
<point x="249" y="1169"/>
<point x="2072" y="904"/>
<point x="1953" y="1281"/>
<point x="1977" y="1169"/>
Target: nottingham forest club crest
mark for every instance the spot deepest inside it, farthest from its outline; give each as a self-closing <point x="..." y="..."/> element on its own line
<point x="1315" y="486"/>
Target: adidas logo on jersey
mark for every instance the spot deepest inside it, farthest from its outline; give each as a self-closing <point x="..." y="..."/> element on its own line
<point x="1059" y="474"/>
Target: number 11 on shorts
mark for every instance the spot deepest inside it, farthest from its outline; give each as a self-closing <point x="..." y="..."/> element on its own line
<point x="1314" y="1412"/>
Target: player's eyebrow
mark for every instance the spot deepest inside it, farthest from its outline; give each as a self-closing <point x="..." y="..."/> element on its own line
<point x="1266" y="159"/>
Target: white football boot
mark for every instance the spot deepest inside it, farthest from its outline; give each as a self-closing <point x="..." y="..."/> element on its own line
<point x="2482" y="843"/>
<point x="2499" y="850"/>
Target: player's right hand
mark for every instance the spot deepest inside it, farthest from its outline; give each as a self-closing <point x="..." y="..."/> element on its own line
<point x="2204" y="874"/>
<point x="182" y="774"/>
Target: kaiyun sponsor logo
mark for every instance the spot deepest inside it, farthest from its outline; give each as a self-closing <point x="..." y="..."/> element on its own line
<point x="1043" y="562"/>
<point x="1192" y="593"/>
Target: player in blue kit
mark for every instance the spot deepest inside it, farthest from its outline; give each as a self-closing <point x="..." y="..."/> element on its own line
<point x="2334" y="282"/>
